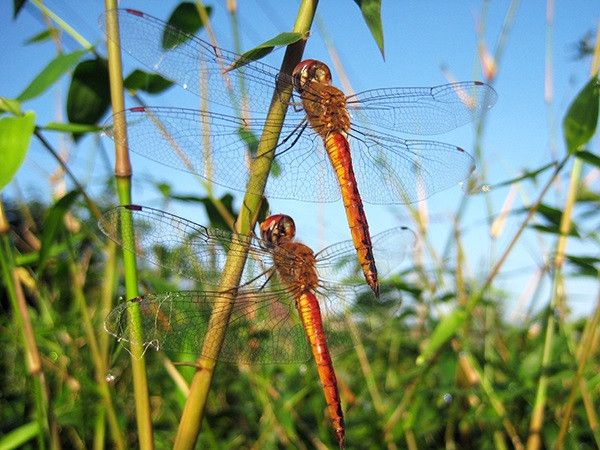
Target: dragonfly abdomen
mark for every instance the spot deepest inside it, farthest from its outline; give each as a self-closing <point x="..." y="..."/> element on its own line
<point x="310" y="315"/>
<point x="338" y="150"/>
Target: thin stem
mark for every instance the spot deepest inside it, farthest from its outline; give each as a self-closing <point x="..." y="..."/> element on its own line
<point x="556" y="304"/>
<point x="123" y="177"/>
<point x="193" y="412"/>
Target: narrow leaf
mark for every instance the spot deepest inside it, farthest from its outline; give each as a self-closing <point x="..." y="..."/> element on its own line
<point x="589" y="158"/>
<point x="185" y="18"/>
<point x="40" y="37"/>
<point x="18" y="437"/>
<point x="52" y="224"/>
<point x="152" y="83"/>
<point x="89" y="92"/>
<point x="582" y="118"/>
<point x="17" y="6"/>
<point x="15" y="135"/>
<point x="371" y="11"/>
<point x="75" y="128"/>
<point x="11" y="106"/>
<point x="265" y="48"/>
<point x="444" y="331"/>
<point x="50" y="74"/>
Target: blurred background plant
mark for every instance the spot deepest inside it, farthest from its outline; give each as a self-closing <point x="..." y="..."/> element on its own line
<point x="481" y="356"/>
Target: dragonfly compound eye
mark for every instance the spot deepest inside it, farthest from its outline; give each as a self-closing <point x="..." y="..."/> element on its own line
<point x="309" y="71"/>
<point x="278" y="229"/>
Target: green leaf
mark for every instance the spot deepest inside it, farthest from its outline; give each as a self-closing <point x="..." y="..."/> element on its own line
<point x="444" y="331"/>
<point x="585" y="265"/>
<point x="582" y="118"/>
<point x="371" y="11"/>
<point x="589" y="158"/>
<point x="152" y="83"/>
<point x="15" y="134"/>
<point x="52" y="224"/>
<point x="18" y="437"/>
<point x="75" y="128"/>
<point x="527" y="174"/>
<point x="40" y="37"/>
<point x="50" y="74"/>
<point x="89" y="92"/>
<point x="11" y="106"/>
<point x="212" y="211"/>
<point x="265" y="48"/>
<point x="17" y="5"/>
<point x="185" y="18"/>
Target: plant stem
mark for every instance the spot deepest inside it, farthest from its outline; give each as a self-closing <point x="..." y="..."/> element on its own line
<point x="193" y="412"/>
<point x="556" y="304"/>
<point x="123" y="176"/>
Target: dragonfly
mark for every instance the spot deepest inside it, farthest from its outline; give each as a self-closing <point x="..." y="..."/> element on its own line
<point x="290" y="303"/>
<point x="331" y="145"/>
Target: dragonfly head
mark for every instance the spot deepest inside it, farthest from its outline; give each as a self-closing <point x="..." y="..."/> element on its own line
<point x="310" y="71"/>
<point x="278" y="229"/>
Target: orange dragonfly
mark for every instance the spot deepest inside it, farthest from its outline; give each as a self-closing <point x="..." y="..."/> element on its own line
<point x="288" y="301"/>
<point x="314" y="159"/>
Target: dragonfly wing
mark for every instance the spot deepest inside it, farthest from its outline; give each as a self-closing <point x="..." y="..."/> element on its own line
<point x="424" y="111"/>
<point x="392" y="170"/>
<point x="195" y="64"/>
<point x="338" y="262"/>
<point x="219" y="147"/>
<point x="351" y="312"/>
<point x="184" y="247"/>
<point x="263" y="327"/>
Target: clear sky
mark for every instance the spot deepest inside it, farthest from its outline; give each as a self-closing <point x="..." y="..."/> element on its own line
<point x="425" y="43"/>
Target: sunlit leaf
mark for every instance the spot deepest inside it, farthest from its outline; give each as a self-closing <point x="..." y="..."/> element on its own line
<point x="50" y="74"/>
<point x="15" y="135"/>
<point x="265" y="48"/>
<point x="185" y="18"/>
<point x="371" y="11"/>
<point x="444" y="331"/>
<point x="582" y="118"/>
<point x="52" y="225"/>
<point x="20" y="436"/>
<point x="11" y="106"/>
<point x="152" y="83"/>
<point x="89" y="92"/>
<point x="76" y="128"/>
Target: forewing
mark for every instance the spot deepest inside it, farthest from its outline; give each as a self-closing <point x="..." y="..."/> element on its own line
<point x="422" y="110"/>
<point x="195" y="64"/>
<point x="262" y="327"/>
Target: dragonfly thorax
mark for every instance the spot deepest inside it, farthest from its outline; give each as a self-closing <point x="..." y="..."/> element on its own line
<point x="295" y="264"/>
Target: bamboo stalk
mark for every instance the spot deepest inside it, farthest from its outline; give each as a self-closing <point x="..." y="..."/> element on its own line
<point x="123" y="177"/>
<point x="193" y="412"/>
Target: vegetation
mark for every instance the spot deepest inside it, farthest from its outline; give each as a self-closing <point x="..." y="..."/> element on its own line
<point x="450" y="371"/>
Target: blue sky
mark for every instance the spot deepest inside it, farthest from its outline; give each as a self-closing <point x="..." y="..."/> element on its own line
<point x="421" y="38"/>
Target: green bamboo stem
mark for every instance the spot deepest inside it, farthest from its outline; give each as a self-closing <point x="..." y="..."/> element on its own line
<point x="193" y="412"/>
<point x="123" y="177"/>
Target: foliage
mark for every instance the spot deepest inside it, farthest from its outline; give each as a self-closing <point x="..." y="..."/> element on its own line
<point x="448" y="371"/>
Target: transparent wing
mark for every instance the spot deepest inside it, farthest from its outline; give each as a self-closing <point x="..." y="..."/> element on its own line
<point x="195" y="64"/>
<point x="392" y="170"/>
<point x="424" y="110"/>
<point x="338" y="262"/>
<point x="264" y="327"/>
<point x="186" y="248"/>
<point x="219" y="147"/>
